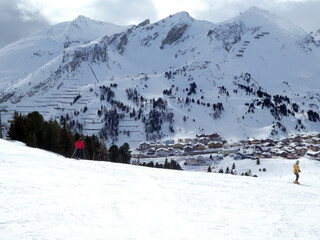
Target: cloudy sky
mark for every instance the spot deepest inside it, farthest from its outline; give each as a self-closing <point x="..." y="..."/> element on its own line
<point x="19" y="18"/>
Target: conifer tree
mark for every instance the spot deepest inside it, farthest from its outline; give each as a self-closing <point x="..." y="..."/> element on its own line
<point x="16" y="130"/>
<point x="125" y="152"/>
<point x="102" y="153"/>
<point x="53" y="136"/>
<point x="35" y="130"/>
<point x="114" y="151"/>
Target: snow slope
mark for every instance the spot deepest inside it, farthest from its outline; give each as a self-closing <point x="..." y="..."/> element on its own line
<point x="45" y="196"/>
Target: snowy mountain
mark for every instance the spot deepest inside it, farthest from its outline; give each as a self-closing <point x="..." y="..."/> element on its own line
<point x="256" y="75"/>
<point x="46" y="196"/>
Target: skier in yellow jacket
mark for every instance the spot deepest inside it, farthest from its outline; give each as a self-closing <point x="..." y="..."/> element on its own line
<point x="296" y="170"/>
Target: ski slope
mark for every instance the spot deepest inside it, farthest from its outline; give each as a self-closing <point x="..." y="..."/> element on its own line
<point x="46" y="196"/>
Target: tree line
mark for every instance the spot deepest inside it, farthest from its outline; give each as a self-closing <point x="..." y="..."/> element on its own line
<point x="33" y="130"/>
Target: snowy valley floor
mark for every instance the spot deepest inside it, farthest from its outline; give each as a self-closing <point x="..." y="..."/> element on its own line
<point x="45" y="196"/>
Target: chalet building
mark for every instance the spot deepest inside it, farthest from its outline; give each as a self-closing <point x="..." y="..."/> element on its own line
<point x="254" y="141"/>
<point x="216" y="156"/>
<point x="315" y="155"/>
<point x="159" y="145"/>
<point x="266" y="155"/>
<point x="199" y="147"/>
<point x="144" y="146"/>
<point x="264" y="149"/>
<point x="215" y="137"/>
<point x="238" y="156"/>
<point x="195" y="141"/>
<point x="200" y="160"/>
<point x="212" y="137"/>
<point x="298" y="139"/>
<point x="168" y="142"/>
<point x="178" y="146"/>
<point x="228" y="151"/>
<point x="188" y="149"/>
<point x="301" y="151"/>
<point x="151" y="152"/>
<point x="171" y="151"/>
<point x="267" y="141"/>
<point x="316" y="140"/>
<point x="314" y="148"/>
<point x="204" y="140"/>
<point x="292" y="156"/>
<point x="190" y="161"/>
<point x="215" y="145"/>
<point x="307" y="137"/>
<point x="283" y="154"/>
<point x="162" y="152"/>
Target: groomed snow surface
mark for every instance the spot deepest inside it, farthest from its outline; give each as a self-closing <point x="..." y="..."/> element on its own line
<point x="46" y="196"/>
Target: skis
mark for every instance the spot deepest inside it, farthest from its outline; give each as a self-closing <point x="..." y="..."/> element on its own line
<point x="296" y="182"/>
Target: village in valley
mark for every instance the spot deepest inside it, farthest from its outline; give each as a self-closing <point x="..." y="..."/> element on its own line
<point x="203" y="149"/>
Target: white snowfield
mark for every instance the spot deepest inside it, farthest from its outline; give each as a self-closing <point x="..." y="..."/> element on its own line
<point x="45" y="196"/>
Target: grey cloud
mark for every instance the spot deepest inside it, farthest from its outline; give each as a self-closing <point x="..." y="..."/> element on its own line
<point x="123" y="12"/>
<point x="12" y="23"/>
<point x="303" y="14"/>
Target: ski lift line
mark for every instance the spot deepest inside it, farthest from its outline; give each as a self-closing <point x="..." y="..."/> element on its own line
<point x="81" y="103"/>
<point x="135" y="126"/>
<point x="29" y="106"/>
<point x="63" y="94"/>
<point x="72" y="91"/>
<point x="56" y="97"/>
<point x="26" y="111"/>
<point x="93" y="73"/>
<point x="134" y="131"/>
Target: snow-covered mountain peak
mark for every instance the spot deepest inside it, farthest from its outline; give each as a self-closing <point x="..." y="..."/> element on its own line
<point x="84" y="19"/>
<point x="180" y="17"/>
<point x="256" y="17"/>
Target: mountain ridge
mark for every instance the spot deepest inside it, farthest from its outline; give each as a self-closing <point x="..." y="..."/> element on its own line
<point x="178" y="77"/>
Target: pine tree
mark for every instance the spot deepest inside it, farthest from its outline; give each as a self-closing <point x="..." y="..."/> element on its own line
<point x="114" y="151"/>
<point x="102" y="153"/>
<point x="16" y="130"/>
<point x="67" y="140"/>
<point x="166" y="164"/>
<point x="31" y="139"/>
<point x="125" y="152"/>
<point x="35" y="130"/>
<point x="209" y="169"/>
<point x="53" y="136"/>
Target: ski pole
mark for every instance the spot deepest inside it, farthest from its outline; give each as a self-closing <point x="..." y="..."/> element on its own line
<point x="74" y="152"/>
